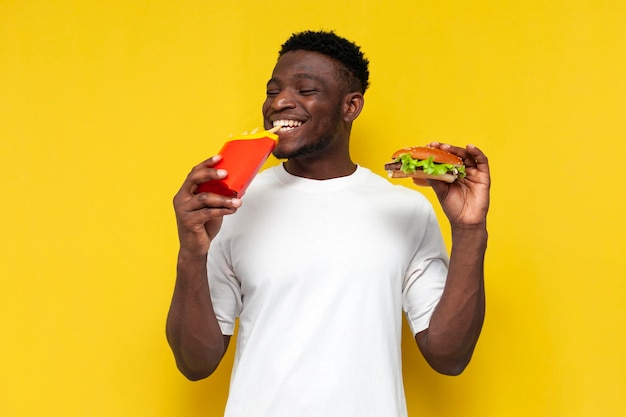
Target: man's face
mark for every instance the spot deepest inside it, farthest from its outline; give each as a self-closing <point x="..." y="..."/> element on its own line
<point x="305" y="96"/>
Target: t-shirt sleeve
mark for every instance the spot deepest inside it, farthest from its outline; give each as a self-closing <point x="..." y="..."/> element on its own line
<point x="426" y="277"/>
<point x="224" y="286"/>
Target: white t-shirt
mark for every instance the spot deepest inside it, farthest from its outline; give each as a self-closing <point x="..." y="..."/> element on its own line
<point x="318" y="273"/>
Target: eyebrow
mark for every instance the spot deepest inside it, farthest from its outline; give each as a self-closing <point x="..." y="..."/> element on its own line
<point x="299" y="76"/>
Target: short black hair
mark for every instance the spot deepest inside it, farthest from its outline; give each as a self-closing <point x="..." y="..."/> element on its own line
<point x="346" y="52"/>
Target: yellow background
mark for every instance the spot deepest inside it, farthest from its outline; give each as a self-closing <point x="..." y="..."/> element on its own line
<point x="106" y="105"/>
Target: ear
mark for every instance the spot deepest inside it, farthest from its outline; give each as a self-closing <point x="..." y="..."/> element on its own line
<point x="352" y="106"/>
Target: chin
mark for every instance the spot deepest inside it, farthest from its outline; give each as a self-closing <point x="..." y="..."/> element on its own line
<point x="285" y="153"/>
<point x="308" y="149"/>
<point x="287" y="148"/>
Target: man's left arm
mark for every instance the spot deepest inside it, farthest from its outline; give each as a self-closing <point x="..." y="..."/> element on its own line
<point x="449" y="341"/>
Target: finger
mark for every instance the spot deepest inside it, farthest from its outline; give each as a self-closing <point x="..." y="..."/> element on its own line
<point x="204" y="208"/>
<point x="185" y="203"/>
<point x="456" y="150"/>
<point x="204" y="201"/>
<point x="421" y="182"/>
<point x="196" y="224"/>
<point x="203" y="172"/>
<point x="441" y="188"/>
<point x="210" y="200"/>
<point x="198" y="218"/>
<point x="471" y="155"/>
<point x="479" y="157"/>
<point x="477" y="154"/>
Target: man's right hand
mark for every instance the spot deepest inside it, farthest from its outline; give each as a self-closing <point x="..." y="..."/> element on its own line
<point x="199" y="215"/>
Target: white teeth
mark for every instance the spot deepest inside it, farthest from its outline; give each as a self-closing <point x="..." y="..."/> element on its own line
<point x="287" y="124"/>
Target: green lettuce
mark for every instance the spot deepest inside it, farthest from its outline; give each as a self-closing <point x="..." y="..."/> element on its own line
<point x="410" y="165"/>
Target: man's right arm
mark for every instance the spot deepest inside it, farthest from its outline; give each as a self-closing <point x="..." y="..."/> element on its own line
<point x="192" y="328"/>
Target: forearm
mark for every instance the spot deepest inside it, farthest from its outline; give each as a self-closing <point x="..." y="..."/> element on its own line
<point x="192" y="329"/>
<point x="456" y="323"/>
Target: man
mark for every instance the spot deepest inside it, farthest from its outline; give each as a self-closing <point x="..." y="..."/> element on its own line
<point x="321" y="257"/>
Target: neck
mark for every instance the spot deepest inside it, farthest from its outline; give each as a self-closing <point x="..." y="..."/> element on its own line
<point x="320" y="170"/>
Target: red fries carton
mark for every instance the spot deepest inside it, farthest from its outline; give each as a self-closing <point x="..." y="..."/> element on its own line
<point x="242" y="157"/>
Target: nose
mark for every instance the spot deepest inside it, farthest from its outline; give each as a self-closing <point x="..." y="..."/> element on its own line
<point x="283" y="100"/>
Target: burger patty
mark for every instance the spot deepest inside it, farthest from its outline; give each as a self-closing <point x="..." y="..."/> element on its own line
<point x="393" y="166"/>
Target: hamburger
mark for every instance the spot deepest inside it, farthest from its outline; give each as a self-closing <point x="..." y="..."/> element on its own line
<point x="423" y="163"/>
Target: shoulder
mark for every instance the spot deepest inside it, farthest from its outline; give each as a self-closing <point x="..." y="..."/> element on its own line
<point x="378" y="185"/>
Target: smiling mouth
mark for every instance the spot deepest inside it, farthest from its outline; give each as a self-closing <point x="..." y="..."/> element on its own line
<point x="286" y="125"/>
